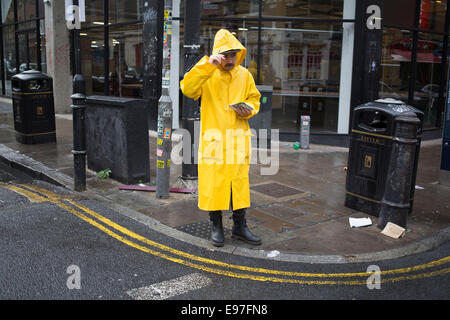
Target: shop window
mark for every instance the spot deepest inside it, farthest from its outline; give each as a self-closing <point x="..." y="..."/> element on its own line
<point x="302" y="63"/>
<point x="26" y="9"/>
<point x="7" y="12"/>
<point x="395" y="64"/>
<point x="9" y="53"/>
<point x="325" y="9"/>
<point x="92" y="60"/>
<point x="126" y="61"/>
<point x="124" y="10"/>
<point x="396" y="70"/>
<point x="41" y="9"/>
<point x="234" y="8"/>
<point x="432" y="15"/>
<point x="27" y="50"/>
<point x="43" y="46"/>
<point x="428" y="70"/>
<point x="93" y="13"/>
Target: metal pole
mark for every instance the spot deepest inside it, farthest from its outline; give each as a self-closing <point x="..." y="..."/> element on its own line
<point x="152" y="43"/>
<point x="78" y="109"/>
<point x="165" y="112"/>
<point x="191" y="108"/>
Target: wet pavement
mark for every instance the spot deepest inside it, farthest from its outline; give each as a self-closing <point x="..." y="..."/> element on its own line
<point x="298" y="210"/>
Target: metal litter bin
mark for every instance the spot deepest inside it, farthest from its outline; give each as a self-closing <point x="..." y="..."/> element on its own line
<point x="33" y="107"/>
<point x="382" y="163"/>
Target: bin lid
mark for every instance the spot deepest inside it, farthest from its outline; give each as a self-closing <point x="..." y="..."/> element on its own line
<point x="391" y="106"/>
<point x="30" y="75"/>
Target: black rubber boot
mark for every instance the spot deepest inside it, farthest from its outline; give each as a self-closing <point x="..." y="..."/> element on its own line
<point x="240" y="229"/>
<point x="217" y="237"/>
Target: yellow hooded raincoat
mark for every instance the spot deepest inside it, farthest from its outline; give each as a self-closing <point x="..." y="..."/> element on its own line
<point x="225" y="139"/>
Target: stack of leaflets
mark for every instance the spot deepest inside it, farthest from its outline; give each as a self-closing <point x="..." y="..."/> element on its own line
<point x="242" y="105"/>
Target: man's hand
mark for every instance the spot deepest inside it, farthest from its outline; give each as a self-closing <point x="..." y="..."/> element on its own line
<point x="242" y="112"/>
<point x="216" y="59"/>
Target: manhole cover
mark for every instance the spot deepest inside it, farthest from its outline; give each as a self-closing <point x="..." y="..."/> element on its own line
<point x="275" y="190"/>
<point x="201" y="229"/>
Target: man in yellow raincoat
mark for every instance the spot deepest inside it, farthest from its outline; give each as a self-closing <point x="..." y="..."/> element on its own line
<point x="224" y="148"/>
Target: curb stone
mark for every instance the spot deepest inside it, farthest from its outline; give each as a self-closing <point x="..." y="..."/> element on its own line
<point x="39" y="171"/>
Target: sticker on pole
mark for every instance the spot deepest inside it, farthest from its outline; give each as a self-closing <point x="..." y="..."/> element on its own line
<point x="159" y="152"/>
<point x="167" y="132"/>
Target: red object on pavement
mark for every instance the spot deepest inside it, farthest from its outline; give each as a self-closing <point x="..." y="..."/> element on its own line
<point x="153" y="188"/>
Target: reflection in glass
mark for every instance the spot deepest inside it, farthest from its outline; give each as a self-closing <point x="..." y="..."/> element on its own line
<point x="432" y="15"/>
<point x="395" y="64"/>
<point x="118" y="11"/>
<point x="93" y="67"/>
<point x="27" y="51"/>
<point x="234" y="8"/>
<point x="429" y="68"/>
<point x="302" y="63"/>
<point x="326" y="9"/>
<point x="43" y="47"/>
<point x="124" y="10"/>
<point x="9" y="52"/>
<point x="26" y="9"/>
<point x="93" y="13"/>
<point x="126" y="64"/>
<point x="7" y="12"/>
<point x="396" y="70"/>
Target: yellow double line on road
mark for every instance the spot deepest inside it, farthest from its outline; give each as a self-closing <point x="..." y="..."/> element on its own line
<point x="37" y="194"/>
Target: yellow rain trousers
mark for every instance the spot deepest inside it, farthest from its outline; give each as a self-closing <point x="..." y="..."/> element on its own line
<point x="225" y="138"/>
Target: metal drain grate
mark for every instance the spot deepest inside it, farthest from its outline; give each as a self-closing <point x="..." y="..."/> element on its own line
<point x="276" y="190"/>
<point x="201" y="229"/>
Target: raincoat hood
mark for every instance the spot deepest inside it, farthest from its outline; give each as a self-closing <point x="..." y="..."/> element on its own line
<point x="224" y="41"/>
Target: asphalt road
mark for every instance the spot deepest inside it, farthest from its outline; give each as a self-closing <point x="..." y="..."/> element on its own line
<point x="58" y="245"/>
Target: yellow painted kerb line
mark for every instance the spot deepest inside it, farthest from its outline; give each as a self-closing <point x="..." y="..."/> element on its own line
<point x="127" y="232"/>
<point x="54" y="198"/>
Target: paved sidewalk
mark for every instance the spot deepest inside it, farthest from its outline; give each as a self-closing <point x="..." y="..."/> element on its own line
<point x="299" y="210"/>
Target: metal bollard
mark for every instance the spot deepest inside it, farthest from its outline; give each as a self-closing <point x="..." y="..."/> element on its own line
<point x="304" y="131"/>
<point x="79" y="129"/>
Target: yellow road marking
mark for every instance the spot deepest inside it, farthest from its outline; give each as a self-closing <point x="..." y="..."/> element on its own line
<point x="49" y="194"/>
<point x="129" y="233"/>
<point x="54" y="198"/>
<point x="30" y="195"/>
<point x="240" y="275"/>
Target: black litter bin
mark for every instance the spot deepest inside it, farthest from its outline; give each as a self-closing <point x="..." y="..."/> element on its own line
<point x="383" y="158"/>
<point x="33" y="107"/>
